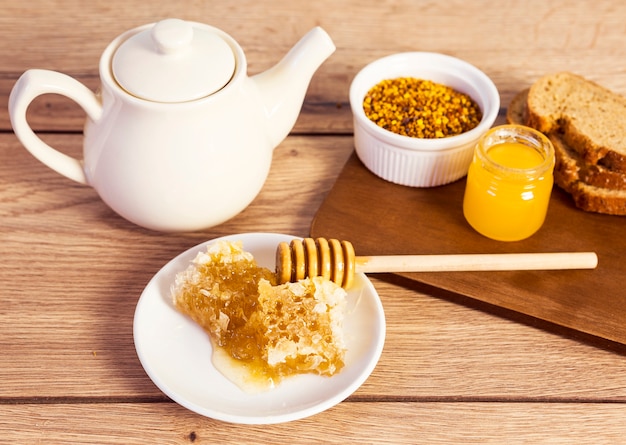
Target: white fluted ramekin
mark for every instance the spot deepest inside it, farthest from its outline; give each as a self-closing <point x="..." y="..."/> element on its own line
<point x="418" y="162"/>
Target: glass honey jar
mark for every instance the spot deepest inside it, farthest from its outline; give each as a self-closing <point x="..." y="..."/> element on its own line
<point x="509" y="183"/>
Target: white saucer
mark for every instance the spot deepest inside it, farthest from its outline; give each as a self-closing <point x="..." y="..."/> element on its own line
<point x="176" y="353"/>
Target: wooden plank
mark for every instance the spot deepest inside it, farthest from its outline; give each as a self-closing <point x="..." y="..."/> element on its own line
<point x="266" y="34"/>
<point x="72" y="272"/>
<point x="431" y="422"/>
<point x="84" y="349"/>
<point x="322" y="113"/>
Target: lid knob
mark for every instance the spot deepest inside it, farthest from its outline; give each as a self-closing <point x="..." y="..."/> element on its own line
<point x="172" y="36"/>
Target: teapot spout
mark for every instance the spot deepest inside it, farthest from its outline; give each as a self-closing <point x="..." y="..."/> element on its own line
<point x="283" y="87"/>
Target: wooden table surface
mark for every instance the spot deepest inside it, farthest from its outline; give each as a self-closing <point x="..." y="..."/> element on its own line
<point x="71" y="270"/>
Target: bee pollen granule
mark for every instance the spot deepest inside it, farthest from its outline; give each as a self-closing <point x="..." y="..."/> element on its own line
<point x="420" y="108"/>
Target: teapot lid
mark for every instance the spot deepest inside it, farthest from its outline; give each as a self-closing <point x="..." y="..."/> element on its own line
<point x="173" y="61"/>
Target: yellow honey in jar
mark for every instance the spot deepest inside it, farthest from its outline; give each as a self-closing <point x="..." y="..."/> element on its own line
<point x="509" y="183"/>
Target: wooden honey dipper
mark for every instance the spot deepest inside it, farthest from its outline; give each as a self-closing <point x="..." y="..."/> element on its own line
<point x="336" y="261"/>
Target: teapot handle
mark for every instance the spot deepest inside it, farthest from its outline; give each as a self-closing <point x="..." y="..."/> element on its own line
<point x="34" y="83"/>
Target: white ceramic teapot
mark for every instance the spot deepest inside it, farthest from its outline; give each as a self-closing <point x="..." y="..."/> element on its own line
<point x="180" y="138"/>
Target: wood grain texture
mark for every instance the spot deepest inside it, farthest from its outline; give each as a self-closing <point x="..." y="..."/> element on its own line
<point x="404" y="422"/>
<point x="71" y="270"/>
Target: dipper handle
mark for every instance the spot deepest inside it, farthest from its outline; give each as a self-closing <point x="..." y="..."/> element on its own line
<point x="336" y="260"/>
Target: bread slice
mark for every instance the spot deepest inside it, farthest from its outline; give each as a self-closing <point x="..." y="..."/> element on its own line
<point x="591" y="118"/>
<point x="594" y="188"/>
<point x="578" y="182"/>
<point x="517" y="113"/>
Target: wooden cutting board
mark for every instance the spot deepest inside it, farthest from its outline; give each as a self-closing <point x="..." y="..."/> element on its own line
<point x="380" y="218"/>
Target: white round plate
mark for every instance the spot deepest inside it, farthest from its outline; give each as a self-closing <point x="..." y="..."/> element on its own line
<point x="176" y="353"/>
